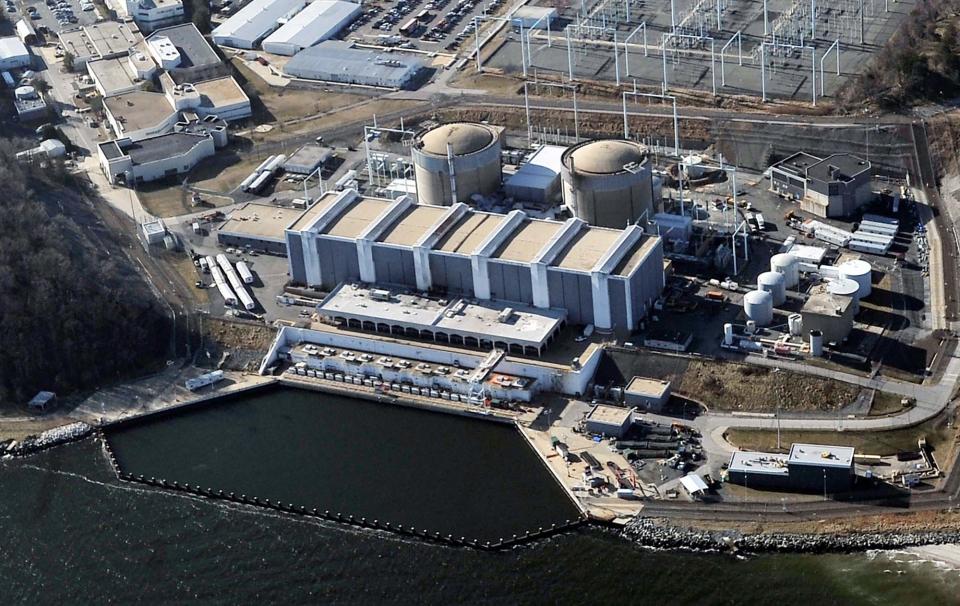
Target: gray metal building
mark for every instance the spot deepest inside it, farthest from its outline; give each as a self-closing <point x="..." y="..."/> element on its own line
<point x="606" y="277"/>
<point x="808" y="468"/>
<point x="338" y="61"/>
<point x="455" y="161"/>
<point x="834" y="186"/>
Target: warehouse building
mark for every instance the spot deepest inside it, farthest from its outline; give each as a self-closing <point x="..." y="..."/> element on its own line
<point x="647" y="394"/>
<point x="808" y="468"/>
<point x="835" y="186"/>
<point x="13" y="53"/>
<point x="254" y="22"/>
<point x="103" y="40"/>
<point x="185" y="54"/>
<point x="609" y="420"/>
<point x="605" y="277"/>
<point x="307" y="159"/>
<point x="337" y="61"/>
<point x="321" y="20"/>
<point x="258" y="227"/>
<point x="538" y="180"/>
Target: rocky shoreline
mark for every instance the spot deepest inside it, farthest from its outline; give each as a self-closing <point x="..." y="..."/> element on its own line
<point x="649" y="533"/>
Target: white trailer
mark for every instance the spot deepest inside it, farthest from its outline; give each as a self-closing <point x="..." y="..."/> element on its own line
<point x="235" y="282"/>
<point x="228" y="297"/>
<point x="203" y="380"/>
<point x="245" y="184"/>
<point x="259" y="182"/>
<point x="245" y="272"/>
<point x="275" y="164"/>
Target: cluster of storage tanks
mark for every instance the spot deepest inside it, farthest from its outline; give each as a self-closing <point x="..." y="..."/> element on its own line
<point x="229" y="283"/>
<point x="607" y="183"/>
<point x="262" y="174"/>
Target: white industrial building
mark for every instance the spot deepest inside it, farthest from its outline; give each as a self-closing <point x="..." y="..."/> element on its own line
<point x="321" y="20"/>
<point x="337" y="61"/>
<point x="185" y="54"/>
<point x="609" y="420"/>
<point x="13" y="53"/>
<point x="648" y="394"/>
<point x="127" y="161"/>
<point x="537" y="180"/>
<point x="152" y="14"/>
<point x="254" y="22"/>
<point x="103" y="40"/>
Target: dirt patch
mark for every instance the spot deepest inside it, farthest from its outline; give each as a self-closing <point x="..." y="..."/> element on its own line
<point x="164" y="199"/>
<point x="883" y="443"/>
<point x="234" y="344"/>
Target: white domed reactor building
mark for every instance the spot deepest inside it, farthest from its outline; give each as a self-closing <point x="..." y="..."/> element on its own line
<point x="455" y="161"/>
<point x="608" y="182"/>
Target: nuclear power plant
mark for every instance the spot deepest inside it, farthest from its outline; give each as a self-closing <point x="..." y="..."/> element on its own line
<point x="455" y="161"/>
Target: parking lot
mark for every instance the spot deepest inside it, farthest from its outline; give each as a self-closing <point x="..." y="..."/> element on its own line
<point x="52" y="16"/>
<point x="429" y="25"/>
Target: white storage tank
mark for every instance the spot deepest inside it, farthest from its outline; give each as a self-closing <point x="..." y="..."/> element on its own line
<point x="692" y="166"/>
<point x="608" y="182"/>
<point x="455" y="161"/>
<point x="816" y="343"/>
<point x="795" y="324"/>
<point x="728" y="334"/>
<point x="758" y="306"/>
<point x="775" y="284"/>
<point x="786" y="264"/>
<point x="847" y="288"/>
<point x="860" y="272"/>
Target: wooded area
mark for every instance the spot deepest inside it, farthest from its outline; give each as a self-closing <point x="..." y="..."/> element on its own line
<point x="74" y="312"/>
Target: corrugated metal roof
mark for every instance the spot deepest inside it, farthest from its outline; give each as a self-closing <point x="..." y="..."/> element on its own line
<point x="321" y="19"/>
<point x="256" y="19"/>
<point x="336" y="60"/>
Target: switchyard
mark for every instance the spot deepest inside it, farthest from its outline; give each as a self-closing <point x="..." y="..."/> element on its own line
<point x="798" y="50"/>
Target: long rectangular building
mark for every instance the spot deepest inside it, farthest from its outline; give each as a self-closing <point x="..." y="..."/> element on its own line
<point x="605" y="277"/>
<point x="322" y="19"/>
<point x="254" y="22"/>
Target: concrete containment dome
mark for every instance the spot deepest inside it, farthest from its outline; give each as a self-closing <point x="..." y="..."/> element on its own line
<point x="758" y="306"/>
<point x="773" y="283"/>
<point x="463" y="137"/>
<point x="473" y="166"/>
<point x="600" y="189"/>
<point x="860" y="272"/>
<point x="786" y="264"/>
<point x="604" y="157"/>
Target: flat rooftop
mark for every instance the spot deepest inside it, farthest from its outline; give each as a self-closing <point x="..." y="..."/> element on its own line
<point x="357" y="217"/>
<point x="631" y="260"/>
<point x="525" y="326"/>
<point x="821" y="456"/>
<point x="611" y="415"/>
<point x="648" y="387"/>
<point x="543" y="168"/>
<point x="112" y="38"/>
<point x="138" y="109"/>
<point x="469" y="232"/>
<point x="260" y="221"/>
<point x="527" y="240"/>
<point x="838" y="167"/>
<point x="798" y="163"/>
<point x="826" y="303"/>
<point x="759" y="462"/>
<point x="311" y="213"/>
<point x="113" y="74"/>
<point x="412" y="225"/>
<point x="190" y="43"/>
<point x="162" y="147"/>
<point x="220" y="92"/>
<point x="586" y="248"/>
<point x="77" y="43"/>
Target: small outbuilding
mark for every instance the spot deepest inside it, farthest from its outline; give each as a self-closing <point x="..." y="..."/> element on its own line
<point x="694" y="485"/>
<point x="43" y="401"/>
<point x="649" y="394"/>
<point x="609" y="420"/>
<point x="308" y="159"/>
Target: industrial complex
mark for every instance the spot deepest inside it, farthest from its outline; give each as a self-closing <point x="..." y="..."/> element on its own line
<point x="501" y="212"/>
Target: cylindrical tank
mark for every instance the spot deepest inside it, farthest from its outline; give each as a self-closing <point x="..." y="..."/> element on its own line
<point x="728" y="334"/>
<point x="758" y="306"/>
<point x="692" y="166"/>
<point x="751" y="327"/>
<point x="786" y="264"/>
<point x="860" y="272"/>
<point x="795" y="324"/>
<point x="455" y="161"/>
<point x="816" y="343"/>
<point x="775" y="284"/>
<point x="847" y="288"/>
<point x="608" y="182"/>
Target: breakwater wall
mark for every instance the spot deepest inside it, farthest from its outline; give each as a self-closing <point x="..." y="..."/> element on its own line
<point x="48" y="439"/>
<point x="649" y="533"/>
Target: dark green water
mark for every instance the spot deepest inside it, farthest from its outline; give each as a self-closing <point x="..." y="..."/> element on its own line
<point x="75" y="535"/>
<point x="444" y="473"/>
